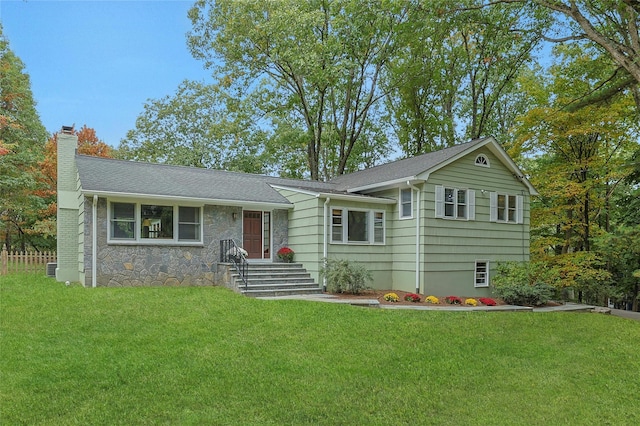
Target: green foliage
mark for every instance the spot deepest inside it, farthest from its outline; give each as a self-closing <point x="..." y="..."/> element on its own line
<point x="179" y="355"/>
<point x="588" y="151"/>
<point x="583" y="271"/>
<point x="621" y="251"/>
<point x="199" y="126"/>
<point x="609" y="27"/>
<point x="22" y="139"/>
<point x="523" y="283"/>
<point x="344" y="276"/>
<point x="315" y="65"/>
<point x="459" y="75"/>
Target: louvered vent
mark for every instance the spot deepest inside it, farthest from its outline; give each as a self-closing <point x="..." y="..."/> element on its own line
<point x="51" y="269"/>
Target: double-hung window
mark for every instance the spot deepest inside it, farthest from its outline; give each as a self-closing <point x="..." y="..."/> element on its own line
<point x="455" y="203"/>
<point x="406" y="203"/>
<point x="188" y="223"/>
<point x="506" y="208"/>
<point x="481" y="275"/>
<point x="123" y="221"/>
<point x="357" y="226"/>
<point x="154" y="223"/>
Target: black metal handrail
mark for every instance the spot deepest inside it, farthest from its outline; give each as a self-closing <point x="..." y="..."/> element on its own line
<point x="231" y="253"/>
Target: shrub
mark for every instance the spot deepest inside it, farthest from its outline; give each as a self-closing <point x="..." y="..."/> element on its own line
<point x="412" y="297"/>
<point x="471" y="302"/>
<point x="391" y="297"/>
<point x="487" y="301"/>
<point x="431" y="299"/>
<point x="453" y="300"/>
<point x="345" y="277"/>
<point x="521" y="284"/>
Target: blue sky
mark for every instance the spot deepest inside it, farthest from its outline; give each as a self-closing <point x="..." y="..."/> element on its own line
<point x="98" y="62"/>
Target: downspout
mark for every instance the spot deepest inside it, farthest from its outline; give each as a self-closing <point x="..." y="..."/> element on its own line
<point x="417" y="235"/>
<point x="325" y="248"/>
<point x="94" y="241"/>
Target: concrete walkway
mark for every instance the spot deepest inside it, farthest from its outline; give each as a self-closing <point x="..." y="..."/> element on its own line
<point x="374" y="303"/>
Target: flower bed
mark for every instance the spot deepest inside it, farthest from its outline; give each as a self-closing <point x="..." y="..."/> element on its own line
<point x="397" y="297"/>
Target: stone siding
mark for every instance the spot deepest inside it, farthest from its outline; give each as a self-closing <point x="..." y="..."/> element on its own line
<point x="121" y="265"/>
<point x="280" y="226"/>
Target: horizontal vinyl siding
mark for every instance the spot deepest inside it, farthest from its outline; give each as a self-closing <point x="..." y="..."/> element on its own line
<point x="377" y="258"/>
<point x="401" y="242"/>
<point x="305" y="230"/>
<point x="451" y="247"/>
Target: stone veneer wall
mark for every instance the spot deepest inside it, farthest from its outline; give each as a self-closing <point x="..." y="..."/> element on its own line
<point x="280" y="232"/>
<point x="121" y="265"/>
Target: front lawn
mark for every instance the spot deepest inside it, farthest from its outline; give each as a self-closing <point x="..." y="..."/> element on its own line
<point x="70" y="355"/>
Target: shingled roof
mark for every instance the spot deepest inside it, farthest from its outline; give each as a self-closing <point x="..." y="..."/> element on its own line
<point x="407" y="168"/>
<point x="100" y="175"/>
<point x="114" y="177"/>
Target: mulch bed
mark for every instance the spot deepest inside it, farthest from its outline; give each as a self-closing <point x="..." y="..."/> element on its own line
<point x="379" y="295"/>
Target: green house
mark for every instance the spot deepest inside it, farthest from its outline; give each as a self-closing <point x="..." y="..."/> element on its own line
<point x="434" y="224"/>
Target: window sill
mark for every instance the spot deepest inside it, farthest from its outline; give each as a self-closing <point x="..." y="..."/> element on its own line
<point x="356" y="243"/>
<point x="155" y="243"/>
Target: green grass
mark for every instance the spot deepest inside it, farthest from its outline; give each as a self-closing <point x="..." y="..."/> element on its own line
<point x="70" y="355"/>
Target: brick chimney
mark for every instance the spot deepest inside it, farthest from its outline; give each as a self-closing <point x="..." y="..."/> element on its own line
<point x="68" y="207"/>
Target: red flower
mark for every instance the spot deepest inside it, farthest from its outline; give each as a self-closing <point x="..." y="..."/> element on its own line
<point x="412" y="297"/>
<point x="487" y="301"/>
<point x="453" y="300"/>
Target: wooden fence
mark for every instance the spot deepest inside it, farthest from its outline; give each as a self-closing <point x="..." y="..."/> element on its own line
<point x="30" y="262"/>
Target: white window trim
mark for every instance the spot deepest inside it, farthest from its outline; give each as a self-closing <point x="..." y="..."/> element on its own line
<point x="482" y="161"/>
<point x="370" y="226"/>
<point x="138" y="240"/>
<point x="487" y="274"/>
<point x="470" y="206"/>
<point x="400" y="209"/>
<point x="493" y="207"/>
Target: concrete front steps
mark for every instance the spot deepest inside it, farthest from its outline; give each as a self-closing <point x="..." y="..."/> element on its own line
<point x="276" y="279"/>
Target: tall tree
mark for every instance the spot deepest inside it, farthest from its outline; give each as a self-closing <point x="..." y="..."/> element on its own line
<point x="587" y="152"/>
<point x="22" y="139"/>
<point x="613" y="26"/>
<point x="461" y="68"/>
<point x="320" y="61"/>
<point x="199" y="126"/>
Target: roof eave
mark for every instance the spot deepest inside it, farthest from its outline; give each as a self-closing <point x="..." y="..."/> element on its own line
<point x="336" y="196"/>
<point x="498" y="151"/>
<point x="357" y="198"/>
<point x="386" y="185"/>
<point x="190" y="200"/>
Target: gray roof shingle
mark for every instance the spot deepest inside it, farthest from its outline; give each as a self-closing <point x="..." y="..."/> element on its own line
<point x="128" y="177"/>
<point x="146" y="179"/>
<point x="400" y="169"/>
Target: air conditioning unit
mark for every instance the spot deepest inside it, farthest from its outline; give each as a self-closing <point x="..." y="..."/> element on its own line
<point x="51" y="269"/>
